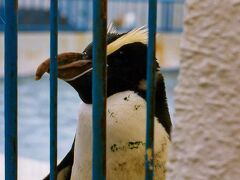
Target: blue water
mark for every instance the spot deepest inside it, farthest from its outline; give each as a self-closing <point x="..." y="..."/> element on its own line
<point x="33" y="115"/>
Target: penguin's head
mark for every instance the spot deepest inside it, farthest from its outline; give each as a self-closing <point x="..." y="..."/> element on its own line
<point x="126" y="65"/>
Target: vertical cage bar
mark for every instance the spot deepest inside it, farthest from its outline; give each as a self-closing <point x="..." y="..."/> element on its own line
<point x="99" y="89"/>
<point x="69" y="12"/>
<point x="170" y="15"/>
<point x="10" y="89"/>
<point x="53" y="87"/>
<point x="86" y="18"/>
<point x="151" y="88"/>
<point x="164" y="16"/>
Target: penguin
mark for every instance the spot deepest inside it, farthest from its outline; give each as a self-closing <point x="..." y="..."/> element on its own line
<point x="125" y="111"/>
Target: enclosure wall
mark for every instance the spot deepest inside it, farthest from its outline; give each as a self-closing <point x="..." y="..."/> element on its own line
<point x="206" y="139"/>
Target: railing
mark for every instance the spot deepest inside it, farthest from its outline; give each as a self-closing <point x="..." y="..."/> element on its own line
<point x="76" y="15"/>
<point x="99" y="89"/>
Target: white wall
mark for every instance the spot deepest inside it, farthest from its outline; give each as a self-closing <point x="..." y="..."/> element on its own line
<point x="206" y="139"/>
<point x="33" y="48"/>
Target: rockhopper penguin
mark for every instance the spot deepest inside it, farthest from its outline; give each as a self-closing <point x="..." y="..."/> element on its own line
<point x="126" y="109"/>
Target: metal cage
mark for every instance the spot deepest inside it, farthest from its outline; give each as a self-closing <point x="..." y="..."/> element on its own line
<point x="99" y="87"/>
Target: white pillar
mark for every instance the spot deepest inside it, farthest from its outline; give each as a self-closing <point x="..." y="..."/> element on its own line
<point x="206" y="138"/>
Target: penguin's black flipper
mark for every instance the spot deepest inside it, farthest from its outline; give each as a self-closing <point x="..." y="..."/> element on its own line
<point x="64" y="169"/>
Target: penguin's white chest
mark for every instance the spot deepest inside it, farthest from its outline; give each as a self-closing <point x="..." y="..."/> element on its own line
<point x="126" y="126"/>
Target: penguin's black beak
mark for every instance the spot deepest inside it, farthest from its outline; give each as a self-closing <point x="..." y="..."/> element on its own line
<point x="70" y="66"/>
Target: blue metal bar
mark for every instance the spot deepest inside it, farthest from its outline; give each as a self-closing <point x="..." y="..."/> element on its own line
<point x="151" y="87"/>
<point x="164" y="16"/>
<point x="86" y="4"/>
<point x="170" y="16"/>
<point x="53" y="87"/>
<point x="10" y="89"/>
<point x="99" y="89"/>
<point x="69" y="12"/>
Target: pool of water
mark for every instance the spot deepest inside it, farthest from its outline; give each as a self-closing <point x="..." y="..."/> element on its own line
<point x="33" y="115"/>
